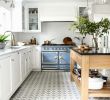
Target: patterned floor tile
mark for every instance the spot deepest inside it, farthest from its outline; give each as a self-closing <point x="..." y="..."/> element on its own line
<point x="49" y="86"/>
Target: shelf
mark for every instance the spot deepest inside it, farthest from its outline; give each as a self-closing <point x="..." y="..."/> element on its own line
<point x="105" y="92"/>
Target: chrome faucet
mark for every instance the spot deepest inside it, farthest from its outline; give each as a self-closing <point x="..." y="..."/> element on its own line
<point x="13" y="42"/>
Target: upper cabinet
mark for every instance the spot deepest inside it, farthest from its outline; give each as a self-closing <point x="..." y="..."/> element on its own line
<point x="32" y="22"/>
<point x="5" y="22"/>
<point x="81" y="6"/>
<point x="16" y="16"/>
<point x="101" y="11"/>
<point x="64" y="11"/>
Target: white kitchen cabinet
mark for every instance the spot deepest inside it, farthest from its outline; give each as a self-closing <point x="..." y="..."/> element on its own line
<point x="26" y="63"/>
<point x="57" y="11"/>
<point x="16" y="16"/>
<point x="101" y="11"/>
<point x="32" y="21"/>
<point x="5" y="81"/>
<point x="15" y="70"/>
<point x="37" y="58"/>
<point x="22" y="65"/>
<point x="29" y="61"/>
<point x="5" y="22"/>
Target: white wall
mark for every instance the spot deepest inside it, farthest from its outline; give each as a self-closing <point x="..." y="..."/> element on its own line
<point x="52" y="30"/>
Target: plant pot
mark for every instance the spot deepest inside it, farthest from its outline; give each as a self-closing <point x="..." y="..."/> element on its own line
<point x="2" y="45"/>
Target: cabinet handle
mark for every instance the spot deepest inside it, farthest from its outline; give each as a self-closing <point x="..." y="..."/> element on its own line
<point x="56" y="57"/>
<point x="18" y="52"/>
<point x="12" y="60"/>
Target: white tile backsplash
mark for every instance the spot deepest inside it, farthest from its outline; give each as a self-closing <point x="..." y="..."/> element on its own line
<point x="52" y="30"/>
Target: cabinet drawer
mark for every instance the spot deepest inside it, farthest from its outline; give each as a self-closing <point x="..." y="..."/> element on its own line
<point x="64" y="67"/>
<point x="50" y="67"/>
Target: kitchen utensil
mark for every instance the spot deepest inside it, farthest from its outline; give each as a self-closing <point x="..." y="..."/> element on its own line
<point x="96" y="83"/>
<point x="67" y="40"/>
<point x="48" y="41"/>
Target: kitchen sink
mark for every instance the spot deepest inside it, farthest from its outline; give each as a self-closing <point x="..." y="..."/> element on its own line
<point x="15" y="47"/>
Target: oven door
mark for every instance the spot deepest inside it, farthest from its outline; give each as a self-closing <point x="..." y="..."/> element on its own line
<point x="64" y="58"/>
<point x="49" y="57"/>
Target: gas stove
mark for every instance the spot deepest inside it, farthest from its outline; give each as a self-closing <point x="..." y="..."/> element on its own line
<point x="56" y="57"/>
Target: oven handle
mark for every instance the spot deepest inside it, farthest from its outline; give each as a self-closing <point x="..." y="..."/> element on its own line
<point x="56" y="57"/>
<point x="60" y="57"/>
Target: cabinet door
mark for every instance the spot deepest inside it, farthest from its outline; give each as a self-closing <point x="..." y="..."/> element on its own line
<point x="32" y="22"/>
<point x="22" y="66"/>
<point x="64" y="58"/>
<point x="49" y="57"/>
<point x="29" y="61"/>
<point x="26" y="64"/>
<point x="36" y="58"/>
<point x="15" y="69"/>
<point x="5" y="81"/>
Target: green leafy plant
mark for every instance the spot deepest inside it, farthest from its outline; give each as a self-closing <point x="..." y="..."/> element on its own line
<point x="3" y="38"/>
<point x="96" y="29"/>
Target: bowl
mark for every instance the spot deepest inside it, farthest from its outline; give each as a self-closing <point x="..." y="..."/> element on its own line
<point x="96" y="83"/>
<point x="20" y="43"/>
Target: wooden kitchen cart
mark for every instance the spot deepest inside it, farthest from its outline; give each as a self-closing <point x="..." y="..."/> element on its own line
<point x="89" y="60"/>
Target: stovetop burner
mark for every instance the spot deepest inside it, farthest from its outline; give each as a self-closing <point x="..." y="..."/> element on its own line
<point x="57" y="44"/>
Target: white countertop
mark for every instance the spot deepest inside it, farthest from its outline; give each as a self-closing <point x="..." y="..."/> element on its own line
<point x="12" y="50"/>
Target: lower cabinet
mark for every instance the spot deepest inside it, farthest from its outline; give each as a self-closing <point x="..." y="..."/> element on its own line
<point x="26" y="63"/>
<point x="15" y="70"/>
<point x="5" y="78"/>
<point x="36" y="58"/>
<point x="22" y="65"/>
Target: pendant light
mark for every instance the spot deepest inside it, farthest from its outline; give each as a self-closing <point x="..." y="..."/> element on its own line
<point x="12" y="4"/>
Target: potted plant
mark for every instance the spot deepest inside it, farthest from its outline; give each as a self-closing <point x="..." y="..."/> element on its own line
<point x="96" y="29"/>
<point x="3" y="39"/>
